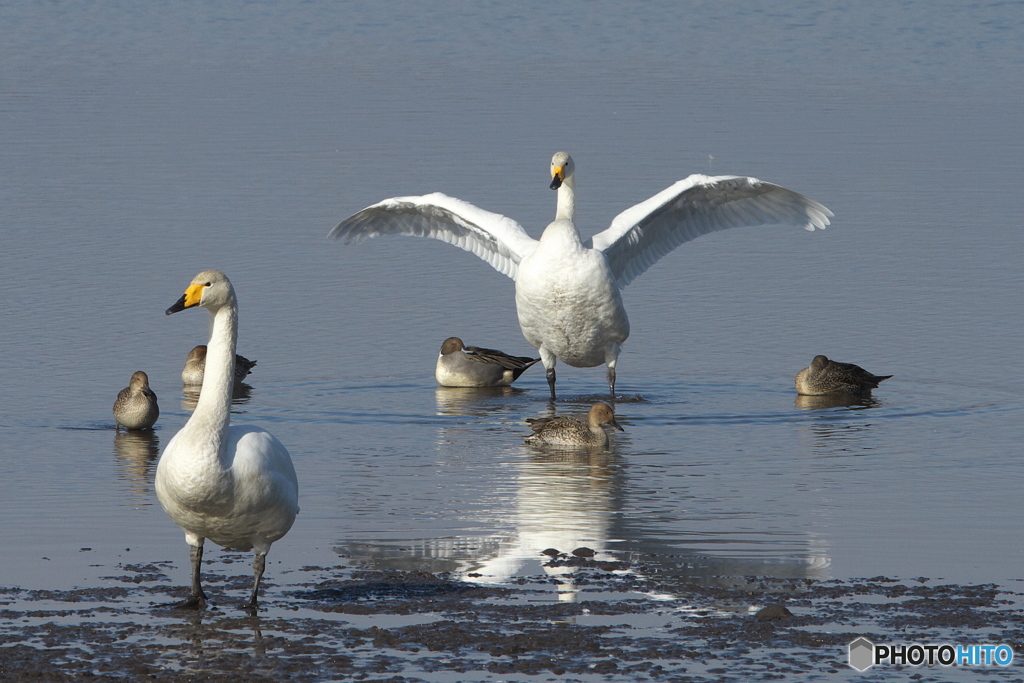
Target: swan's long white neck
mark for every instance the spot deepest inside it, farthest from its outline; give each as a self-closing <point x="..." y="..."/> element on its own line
<point x="213" y="410"/>
<point x="561" y="237"/>
<point x="565" y="208"/>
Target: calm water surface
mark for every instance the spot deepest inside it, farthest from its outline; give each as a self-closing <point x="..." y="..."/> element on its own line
<point x="140" y="146"/>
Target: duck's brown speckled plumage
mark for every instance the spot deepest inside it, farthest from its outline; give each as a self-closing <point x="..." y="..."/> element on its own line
<point x="195" y="367"/>
<point x="824" y="376"/>
<point x="136" y="406"/>
<point x="572" y="431"/>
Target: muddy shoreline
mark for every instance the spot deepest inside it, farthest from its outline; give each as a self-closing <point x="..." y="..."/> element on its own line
<point x="351" y="623"/>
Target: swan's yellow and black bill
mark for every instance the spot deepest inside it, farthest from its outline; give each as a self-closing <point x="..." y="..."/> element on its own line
<point x="557" y="176"/>
<point x="192" y="296"/>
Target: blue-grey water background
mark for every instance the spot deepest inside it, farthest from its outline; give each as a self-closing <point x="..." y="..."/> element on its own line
<point x="141" y="143"/>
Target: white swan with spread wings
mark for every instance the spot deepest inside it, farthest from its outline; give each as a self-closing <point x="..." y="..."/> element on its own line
<point x="567" y="289"/>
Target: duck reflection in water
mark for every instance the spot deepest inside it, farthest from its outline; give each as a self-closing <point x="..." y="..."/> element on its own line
<point x="136" y="453"/>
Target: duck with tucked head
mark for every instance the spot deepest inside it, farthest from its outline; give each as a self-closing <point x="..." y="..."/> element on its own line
<point x="232" y="484"/>
<point x="824" y="376"/>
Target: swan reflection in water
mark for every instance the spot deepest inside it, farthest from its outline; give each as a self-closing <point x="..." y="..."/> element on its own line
<point x="566" y="501"/>
<point x="561" y="500"/>
<point x="570" y="501"/>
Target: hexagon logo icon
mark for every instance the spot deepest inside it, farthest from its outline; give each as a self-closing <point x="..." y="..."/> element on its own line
<point x="862" y="654"/>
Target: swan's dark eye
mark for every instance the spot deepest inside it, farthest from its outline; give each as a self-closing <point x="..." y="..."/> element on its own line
<point x="208" y="284"/>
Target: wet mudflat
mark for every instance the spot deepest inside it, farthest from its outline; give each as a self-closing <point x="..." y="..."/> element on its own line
<point x="627" y="623"/>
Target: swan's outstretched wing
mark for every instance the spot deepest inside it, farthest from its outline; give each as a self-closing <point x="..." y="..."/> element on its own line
<point x="496" y="239"/>
<point x="700" y="204"/>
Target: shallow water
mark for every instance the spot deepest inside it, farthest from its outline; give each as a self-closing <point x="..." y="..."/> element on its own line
<point x="139" y="150"/>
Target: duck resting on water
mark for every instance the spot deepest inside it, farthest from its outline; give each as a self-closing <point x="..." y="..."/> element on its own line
<point x="459" y="365"/>
<point x="824" y="376"/>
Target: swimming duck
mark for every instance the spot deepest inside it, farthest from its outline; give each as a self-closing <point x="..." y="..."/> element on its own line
<point x="572" y="431"/>
<point x="136" y="407"/>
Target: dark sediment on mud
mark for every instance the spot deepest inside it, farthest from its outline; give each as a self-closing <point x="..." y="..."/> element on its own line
<point x="373" y="625"/>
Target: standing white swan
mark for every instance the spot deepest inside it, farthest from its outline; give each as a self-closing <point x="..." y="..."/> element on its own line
<point x="232" y="484"/>
<point x="567" y="289"/>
